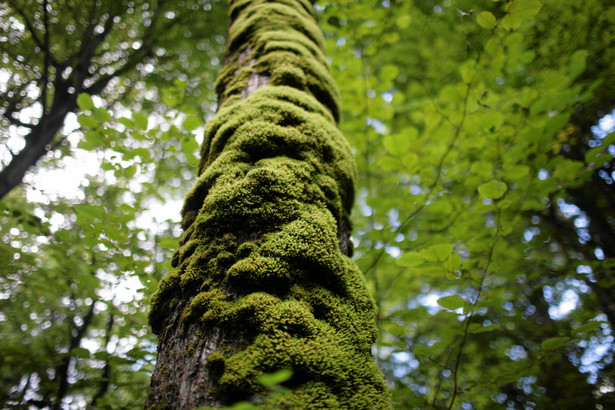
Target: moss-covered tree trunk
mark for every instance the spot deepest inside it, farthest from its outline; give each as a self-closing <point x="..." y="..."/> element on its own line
<point x="262" y="280"/>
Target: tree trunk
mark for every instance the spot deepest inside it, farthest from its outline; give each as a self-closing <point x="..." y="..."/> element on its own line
<point x="38" y="142"/>
<point x="262" y="280"/>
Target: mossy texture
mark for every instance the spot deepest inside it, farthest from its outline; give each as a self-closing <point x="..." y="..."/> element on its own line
<point x="261" y="253"/>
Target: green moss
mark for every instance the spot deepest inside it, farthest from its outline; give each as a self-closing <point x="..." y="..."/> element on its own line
<point x="216" y="362"/>
<point x="260" y="253"/>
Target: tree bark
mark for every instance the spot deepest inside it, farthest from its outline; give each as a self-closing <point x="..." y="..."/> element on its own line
<point x="38" y="142"/>
<point x="262" y="280"/>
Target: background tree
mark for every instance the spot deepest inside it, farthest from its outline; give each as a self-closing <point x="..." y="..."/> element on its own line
<point x="262" y="281"/>
<point x="54" y="51"/>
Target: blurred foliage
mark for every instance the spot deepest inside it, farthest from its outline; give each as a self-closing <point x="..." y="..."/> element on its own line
<point x="77" y="264"/>
<point x="485" y="219"/>
<point x="485" y="213"/>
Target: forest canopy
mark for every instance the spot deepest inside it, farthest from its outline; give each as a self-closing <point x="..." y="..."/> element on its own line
<point x="485" y="214"/>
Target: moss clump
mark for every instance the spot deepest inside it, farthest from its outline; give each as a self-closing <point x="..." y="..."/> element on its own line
<point x="260" y="256"/>
<point x="216" y="362"/>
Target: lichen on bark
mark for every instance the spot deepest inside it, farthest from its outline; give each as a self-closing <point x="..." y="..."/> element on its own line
<point x="263" y="280"/>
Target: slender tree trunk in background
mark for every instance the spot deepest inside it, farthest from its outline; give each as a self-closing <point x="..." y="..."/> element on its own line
<point x="262" y="280"/>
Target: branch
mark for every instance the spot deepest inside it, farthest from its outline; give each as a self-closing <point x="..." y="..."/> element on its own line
<point x="32" y="31"/>
<point x="47" y="56"/>
<point x="468" y="319"/>
<point x="74" y="342"/>
<point x="132" y="59"/>
<point x="104" y="384"/>
<point x="17" y="122"/>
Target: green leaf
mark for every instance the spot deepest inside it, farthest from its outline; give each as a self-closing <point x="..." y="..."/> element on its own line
<point x="90" y="211"/>
<point x="115" y="233"/>
<point x="389" y="72"/>
<point x="84" y="101"/>
<point x="91" y="141"/>
<point x="467" y="73"/>
<point x="486" y="19"/>
<point x="556" y="123"/>
<point x="493" y="189"/>
<point x="609" y="139"/>
<point x="452" y="302"/>
<point x="127" y="122"/>
<point x="410" y="259"/>
<point x="168" y="243"/>
<point x="553" y="343"/>
<point x="482" y="168"/>
<point x="453" y="263"/>
<point x="272" y="379"/>
<point x="422" y="350"/>
<point x="437" y="252"/>
<point x="578" y="62"/>
<point x="568" y="169"/>
<point x="140" y="120"/>
<point x="101" y="114"/>
<point x="526" y="8"/>
<point x="403" y="21"/>
<point x="87" y="121"/>
<point x="511" y="21"/>
<point x="492" y="121"/>
<point x="130" y="171"/>
<point x="80" y="352"/>
<point x="398" y="144"/>
<point x="488" y="328"/>
<point x="104" y="355"/>
<point x="191" y="122"/>
<point x="588" y="327"/>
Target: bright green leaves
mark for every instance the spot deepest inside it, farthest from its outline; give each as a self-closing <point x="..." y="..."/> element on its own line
<point x="410" y="259"/>
<point x="403" y="21"/>
<point x="87" y="121"/>
<point x="453" y="263"/>
<point x="495" y="144"/>
<point x="452" y="302"/>
<point x="493" y="189"/>
<point x="525" y="8"/>
<point x="437" y="253"/>
<point x="140" y="120"/>
<point x="88" y="213"/>
<point x="91" y="140"/>
<point x="389" y="72"/>
<point x="492" y="121"/>
<point x="191" y="123"/>
<point x="434" y="253"/>
<point x="84" y="101"/>
<point x="486" y="19"/>
<point x="97" y="117"/>
<point x="511" y="21"/>
<point x="398" y="144"/>
<point x="468" y="70"/>
<point x="519" y="11"/>
<point x="94" y="124"/>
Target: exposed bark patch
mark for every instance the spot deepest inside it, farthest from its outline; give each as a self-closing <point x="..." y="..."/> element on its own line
<point x="255" y="82"/>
